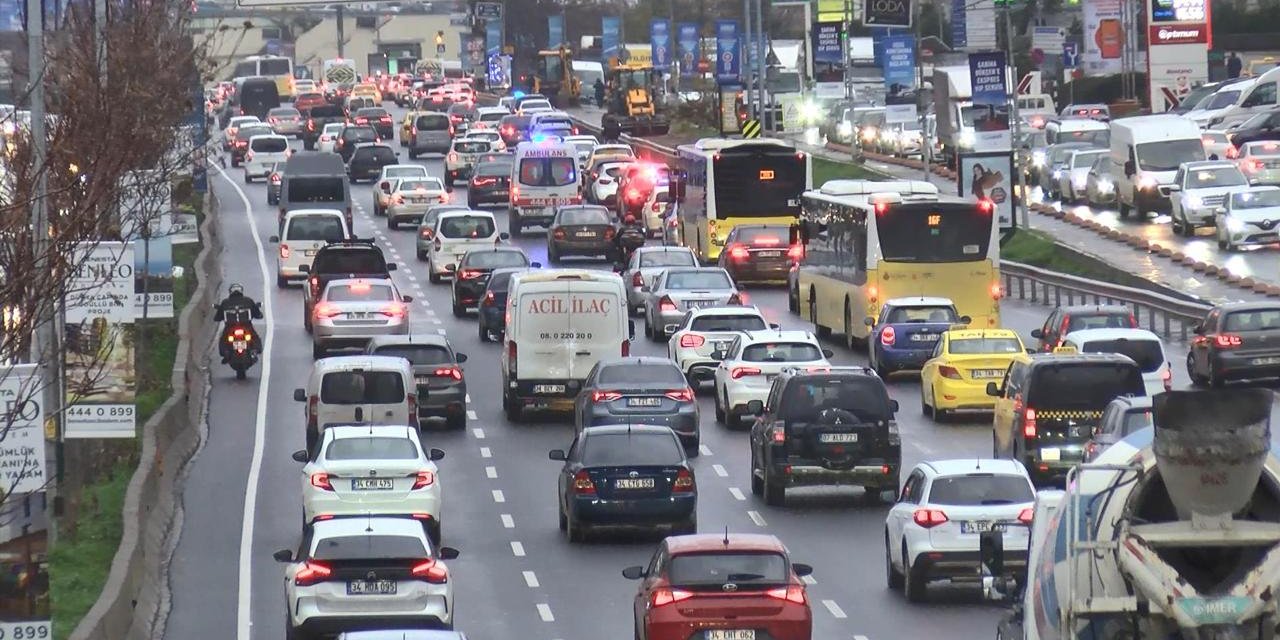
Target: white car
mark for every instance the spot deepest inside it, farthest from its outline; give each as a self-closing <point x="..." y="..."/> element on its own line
<point x="653" y="209"/>
<point x="933" y="531"/>
<point x="1198" y="189"/>
<point x="372" y="470"/>
<point x="328" y="141"/>
<point x="751" y="362"/>
<point x="337" y="580"/>
<point x="1143" y="347"/>
<point x="263" y="154"/>
<point x="488" y="135"/>
<point x="1075" y="174"/>
<point x="456" y="233"/>
<point x="603" y="186"/>
<point x="1249" y="218"/>
<point x="706" y="331"/>
<point x="488" y="119"/>
<point x="233" y="125"/>
<point x="530" y="107"/>
<point x="411" y="197"/>
<point x="647" y="262"/>
<point x="304" y="232"/>
<point x="304" y="85"/>
<point x="1260" y="161"/>
<point x="585" y="145"/>
<point x="1216" y="144"/>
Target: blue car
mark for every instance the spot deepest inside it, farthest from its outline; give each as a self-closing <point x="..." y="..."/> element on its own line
<point x="907" y="331"/>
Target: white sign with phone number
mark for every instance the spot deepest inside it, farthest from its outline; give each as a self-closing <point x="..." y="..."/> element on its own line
<point x="41" y="630"/>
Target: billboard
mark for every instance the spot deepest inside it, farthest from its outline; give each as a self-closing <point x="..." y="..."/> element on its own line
<point x="493" y="37"/>
<point x="886" y="13"/>
<point x="98" y="344"/>
<point x="610" y="36"/>
<point x="989" y="176"/>
<point x="837" y="10"/>
<point x="989" y="78"/>
<point x="727" y="63"/>
<point x="153" y="278"/>
<point x="660" y="43"/>
<point x="687" y="43"/>
<point x="828" y="59"/>
<point x="959" y="24"/>
<point x="1103" y="37"/>
<point x="1177" y="40"/>
<point x="22" y="459"/>
<point x="980" y="25"/>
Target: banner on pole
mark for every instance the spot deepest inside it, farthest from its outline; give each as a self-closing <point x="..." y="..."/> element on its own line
<point x="555" y="30"/>
<point x="493" y="37"/>
<point x="98" y="345"/>
<point x="828" y="59"/>
<point x="727" y="63"/>
<point x="153" y="278"/>
<point x="660" y="42"/>
<point x="989" y="76"/>
<point x="687" y="42"/>
<point x="610" y="36"/>
<point x="22" y="459"/>
<point x="989" y="176"/>
<point x="887" y="13"/>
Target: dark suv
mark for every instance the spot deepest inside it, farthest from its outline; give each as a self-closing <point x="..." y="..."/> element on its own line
<point x="829" y="427"/>
<point x="355" y="258"/>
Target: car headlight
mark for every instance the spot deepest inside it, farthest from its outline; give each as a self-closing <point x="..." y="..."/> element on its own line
<point x="967" y="138"/>
<point x="1105" y="186"/>
<point x="810" y="111"/>
<point x="1078" y="181"/>
<point x="1038" y="158"/>
<point x="1057" y="174"/>
<point x="1234" y="225"/>
<point x="1194" y="201"/>
<point x="845" y="128"/>
<point x="1146" y="181"/>
<point x="869" y="133"/>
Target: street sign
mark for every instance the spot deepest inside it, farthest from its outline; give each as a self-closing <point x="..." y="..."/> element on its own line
<point x="751" y="129"/>
<point x="440" y="49"/>
<point x="489" y="10"/>
<point x="1070" y="55"/>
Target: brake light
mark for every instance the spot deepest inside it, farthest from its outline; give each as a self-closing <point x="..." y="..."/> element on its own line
<point x="778" y="435"/>
<point x="313" y="407"/>
<point x="448" y="372"/>
<point x="275" y="178"/>
<point x="413" y="404"/>
<point x="1226" y="341"/>
<point x="792" y="593"/>
<point x="470" y="274"/>
<point x="424" y="479"/>
<point x="888" y="336"/>
<point x="426" y="233"/>
<point x="582" y="484"/>
<point x="997" y="291"/>
<point x="680" y="395"/>
<point x="929" y="518"/>
<point x="482" y="182"/>
<point x="1026" y="515"/>
<point x="666" y="304"/>
<point x="326" y="310"/>
<point x="453" y="157"/>
<point x="665" y="596"/>
<point x="320" y="480"/>
<point x="385" y="119"/>
<point x="739" y="252"/>
<point x="796" y="252"/>
<point x="1166" y="376"/>
<point x="1232" y="153"/>
<point x="511" y="357"/>
<point x="1133" y="321"/>
<point x="284" y="252"/>
<point x="684" y="482"/>
<point x="949" y="372"/>
<point x="248" y="157"/>
<point x="986" y="206"/>
<point x="396" y="310"/>
<point x="361" y="120"/>
<point x="626" y="348"/>
<point x="873" y="294"/>
<point x="738" y="373"/>
<point x="1029" y="423"/>
<point x="311" y="573"/>
<point x="608" y="233"/>
<point x="558" y="234"/>
<point x="689" y="340"/>
<point x="605" y="396"/>
<point x="311" y="125"/>
<point x="431" y="571"/>
<point x="737" y="299"/>
<point x="637" y="280"/>
<point x="633" y="195"/>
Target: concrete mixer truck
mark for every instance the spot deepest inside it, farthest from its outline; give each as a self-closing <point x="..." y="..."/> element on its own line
<point x="1171" y="534"/>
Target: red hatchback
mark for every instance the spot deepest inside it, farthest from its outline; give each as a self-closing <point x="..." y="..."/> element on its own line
<point x="721" y="587"/>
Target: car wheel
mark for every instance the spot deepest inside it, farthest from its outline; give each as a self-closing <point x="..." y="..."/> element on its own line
<point x="719" y="410"/>
<point x="432" y="276"/>
<point x="757" y="483"/>
<point x="392" y="224"/>
<point x="456" y="420"/>
<point x="939" y="415"/>
<point x="574" y="531"/>
<point x="514" y="228"/>
<point x="1125" y="210"/>
<point x="482" y="332"/>
<point x="914" y="580"/>
<point x="823" y="332"/>
<point x="317" y="350"/>
<point x="511" y="407"/>
<point x="293" y="633"/>
<point x="1188" y="230"/>
<point x="1196" y="379"/>
<point x="459" y="311"/>
<point x="422" y="256"/>
<point x="1216" y="381"/>
<point x="312" y="439"/>
<point x="893" y="577"/>
<point x="793" y="300"/>
<point x="247" y="178"/>
<point x="564" y="521"/>
<point x="552" y="255"/>
<point x="413" y="155"/>
<point x="775" y="493"/>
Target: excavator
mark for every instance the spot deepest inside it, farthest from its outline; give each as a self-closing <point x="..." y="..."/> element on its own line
<point x="629" y="105"/>
<point x="554" y="77"/>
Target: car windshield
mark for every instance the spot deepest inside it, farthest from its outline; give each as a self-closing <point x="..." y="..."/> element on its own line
<point x="359" y="134"/>
<point x="380" y="155"/>
<point x="249" y="132"/>
<point x="371" y="448"/>
<point x="805" y="400"/>
<point x="630" y="449"/>
<point x="548" y="172"/>
<point x="1255" y="320"/>
<point x="1097" y="137"/>
<point x="1221" y="99"/>
<point x="467" y="227"/>
<point x="333" y="128"/>
<point x="717" y="569"/>
<point x="432" y="122"/>
<point x="782" y="352"/>
<point x="1147" y="353"/>
<point x="1084" y="384"/>
<point x="317" y="189"/>
<point x="728" y="323"/>
<point x="666" y="259"/>
<point x="1059" y="154"/>
<point x="641" y="374"/>
<point x="1255" y="199"/>
<point x="701" y="280"/>
<point x="269" y="145"/>
<point x="1215" y="177"/>
<point x="417" y="354"/>
<point x="1266" y="150"/>
<point x="1085" y="160"/>
<point x="980" y="489"/>
<point x="1167" y="155"/>
<point x="359" y="292"/>
<point x="285" y="112"/>
<point x="962" y="346"/>
<point x="362" y="387"/>
<point x="1133" y="420"/>
<point x="1101" y="321"/>
<point x="350" y="261"/>
<point x="369" y="546"/>
<point x="495" y="259"/>
<point x="584" y="216"/>
<point x="320" y="228"/>
<point x="902" y="315"/>
<point x="495" y="169"/>
<point x="471" y="146"/>
<point x="420" y="185"/>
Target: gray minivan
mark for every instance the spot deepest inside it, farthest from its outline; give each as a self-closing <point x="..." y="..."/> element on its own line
<point x="315" y="179"/>
<point x="432" y="133"/>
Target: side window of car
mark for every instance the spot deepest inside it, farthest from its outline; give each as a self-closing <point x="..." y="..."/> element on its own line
<point x="1013" y="380"/>
<point x="575" y="449"/>
<point x="1180" y="177"/>
<point x="911" y="489"/>
<point x="1211" y="321"/>
<point x="937" y="349"/>
<point x="656" y="562"/>
<point x="1050" y="323"/>
<point x="775" y="393"/>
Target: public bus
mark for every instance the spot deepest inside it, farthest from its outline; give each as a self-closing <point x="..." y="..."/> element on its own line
<point x="867" y="242"/>
<point x="731" y="182"/>
<point x="278" y="68"/>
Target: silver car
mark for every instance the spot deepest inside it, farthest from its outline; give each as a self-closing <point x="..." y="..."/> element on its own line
<point x="286" y="121"/>
<point x="645" y="263"/>
<point x="432" y="132"/>
<point x="676" y="290"/>
<point x="427" y="227"/>
<point x="350" y="311"/>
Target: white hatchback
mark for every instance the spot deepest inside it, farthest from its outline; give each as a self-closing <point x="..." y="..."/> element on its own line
<point x="329" y="137"/>
<point x="263" y="154"/>
<point x="1143" y="347"/>
<point x="706" y="331"/>
<point x="456" y="233"/>
<point x="752" y="360"/>
<point x="305" y="231"/>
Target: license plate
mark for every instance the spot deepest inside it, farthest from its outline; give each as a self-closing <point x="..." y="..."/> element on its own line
<point x="1265" y="361"/>
<point x="633" y="483"/>
<point x="548" y="388"/>
<point x="422" y="379"/>
<point x="418" y="200"/>
<point x="988" y="373"/>
<point x="309" y="252"/>
<point x="925" y="337"/>
<point x="500" y="192"/>
<point x="698" y="304"/>
<point x="768" y="254"/>
<point x="1051" y="454"/>
<point x="585" y="234"/>
<point x="357" y="315"/>
<point x="239" y="345"/>
<point x="372" y="484"/>
<point x="731" y="634"/>
<point x="643" y="402"/>
<point x="720" y="345"/>
<point x="980" y="526"/>
<point x="828" y="438"/>
<point x="371" y="587"/>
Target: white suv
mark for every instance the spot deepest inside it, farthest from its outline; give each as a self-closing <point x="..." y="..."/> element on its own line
<point x="305" y="231"/>
<point x="265" y="152"/>
<point x="933" y="531"/>
<point x="753" y="359"/>
<point x="703" y="332"/>
<point x="1198" y="190"/>
<point x="456" y="233"/>
<point x="351" y="573"/>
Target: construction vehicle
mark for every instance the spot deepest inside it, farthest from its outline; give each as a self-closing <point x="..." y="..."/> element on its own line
<point x="629" y="104"/>
<point x="554" y="77"/>
<point x="1170" y="534"/>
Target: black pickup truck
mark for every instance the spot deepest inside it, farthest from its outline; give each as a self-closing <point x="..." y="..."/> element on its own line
<point x="354" y="258"/>
<point x="320" y="116"/>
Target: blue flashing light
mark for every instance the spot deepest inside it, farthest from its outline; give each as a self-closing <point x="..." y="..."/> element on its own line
<point x="517" y="94"/>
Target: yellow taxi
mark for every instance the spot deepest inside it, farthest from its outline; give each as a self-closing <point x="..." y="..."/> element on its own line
<point x="368" y="90"/>
<point x="406" y="127"/>
<point x="964" y="361"/>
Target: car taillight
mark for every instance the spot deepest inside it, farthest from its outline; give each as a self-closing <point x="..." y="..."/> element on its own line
<point x="605" y="396"/>
<point x="426" y="233"/>
<point x="362" y="120"/>
<point x="739" y="252"/>
<point x="431" y="571"/>
<point x="637" y="280"/>
<point x="312" y="572"/>
<point x="684" y="482"/>
<point x="1029" y="423"/>
<point x="949" y="372"/>
<point x="395" y="310"/>
<point x="626" y="348"/>
<point x="796" y="252"/>
<point x="792" y="593"/>
<point x="488" y="300"/>
<point x="453" y="157"/>
<point x="448" y="372"/>
<point x="326" y="310"/>
<point x="558" y="234"/>
<point x="313" y="410"/>
<point x="424" y="479"/>
<point x="666" y="304"/>
<point x="666" y="596"/>
<point x="690" y="340"/>
<point x="275" y="178"/>
<point x="929" y="518"/>
<point x="680" y="395"/>
<point x="608" y="233"/>
<point x="511" y="358"/>
<point x="1026" y="515"/>
<point x="997" y="291"/>
<point x="413" y="404"/>
<point x="385" y="119"/>
<point x="778" y="435"/>
<point x="582" y="484"/>
<point x="469" y="274"/>
<point x="437" y="244"/>
<point x="242" y="143"/>
<point x="321" y="481"/>
<point x="738" y="373"/>
<point x="1166" y="376"/>
<point x="284" y="252"/>
<point x="1226" y="341"/>
<point x="888" y="336"/>
<point x="1133" y="321"/>
<point x="482" y="182"/>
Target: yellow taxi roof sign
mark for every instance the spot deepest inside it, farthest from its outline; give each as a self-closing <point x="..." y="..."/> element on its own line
<point x="1065" y="350"/>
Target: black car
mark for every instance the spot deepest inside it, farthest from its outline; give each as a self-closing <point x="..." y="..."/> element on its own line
<point x="490" y="184"/>
<point x="1235" y="341"/>
<point x="275" y="177"/>
<point x="461" y="115"/>
<point x="352" y="136"/>
<point x="257" y="97"/>
<point x="626" y="476"/>
<point x="378" y="118"/>
<point x="831" y="427"/>
<point x="492" y="315"/>
<point x="368" y="159"/>
<point x="1064" y="320"/>
<point x="759" y="253"/>
<point x="473" y="271"/>
<point x="354" y="258"/>
<point x="639" y="390"/>
<point x="580" y="230"/>
<point x="319" y="116"/>
<point x="513" y="129"/>
<point x="1263" y="126"/>
<point x="241" y="145"/>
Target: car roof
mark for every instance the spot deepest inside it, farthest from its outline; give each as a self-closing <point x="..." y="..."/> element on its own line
<point x="372" y="282"/>
<point x="1126" y="333"/>
<point x="461" y="213"/>
<point x="966" y="466"/>
<point x="727" y="310"/>
<point x="342" y="432"/>
<point x="779" y="335"/>
<point x="709" y="542"/>
<point x="639" y="361"/>
<point x="372" y="525"/>
<point x="332" y="363"/>
<point x="663" y="249"/>
<point x="922" y="301"/>
<point x="416" y="167"/>
<point x="966" y="334"/>
<point x="406" y="634"/>
<point x="267" y="136"/>
<point x="1209" y="164"/>
<point x="1134" y="402"/>
<point x="313" y="212"/>
<point x="1078" y="309"/>
<point x="430" y="339"/>
<point x="629" y="429"/>
<point x="1039" y="359"/>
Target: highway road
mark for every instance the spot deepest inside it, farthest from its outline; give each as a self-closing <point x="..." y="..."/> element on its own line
<point x="517" y="576"/>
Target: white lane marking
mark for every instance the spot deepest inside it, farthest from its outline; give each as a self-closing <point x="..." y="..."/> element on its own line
<point x="835" y="609"/>
<point x="507" y="521"/>
<point x="517" y="548"/>
<point x="442" y="331"/>
<point x="737" y="493"/>
<point x="485" y="452"/>
<point x="478" y="433"/>
<point x="244" y="622"/>
<point x="704" y="449"/>
<point x="499" y="498"/>
<point x="435" y="320"/>
<point x="719" y="469"/>
<point x="471" y="415"/>
<point x="860" y="638"/>
<point x="468" y="398"/>
<point x="756" y="518"/>
<point x="531" y="579"/>
<point x="808" y="580"/>
<point x="431" y="312"/>
<point x="492" y="472"/>
<point x="544" y="612"/>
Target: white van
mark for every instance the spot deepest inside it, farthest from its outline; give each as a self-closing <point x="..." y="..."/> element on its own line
<point x="1146" y="152"/>
<point x="358" y="389"/>
<point x="263" y="153"/>
<point x="305" y="231"/>
<point x="560" y="323"/>
<point x="1258" y="98"/>
<point x="456" y="233"/>
<point x="544" y="176"/>
<point x="1085" y="130"/>
<point x="1222" y="100"/>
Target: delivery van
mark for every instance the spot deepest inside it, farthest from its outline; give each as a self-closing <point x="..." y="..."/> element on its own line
<point x="560" y="323"/>
<point x="1146" y="152"/>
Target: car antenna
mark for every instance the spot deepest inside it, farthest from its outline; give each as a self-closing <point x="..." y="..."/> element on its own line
<point x="726" y="535"/>
<point x="977" y="463"/>
<point x="368" y="526"/>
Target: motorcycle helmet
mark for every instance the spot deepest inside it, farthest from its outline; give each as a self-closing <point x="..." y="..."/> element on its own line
<point x="235" y="289"/>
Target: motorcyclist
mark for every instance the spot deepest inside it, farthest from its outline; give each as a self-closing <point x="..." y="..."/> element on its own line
<point x="237" y="309"/>
<point x="599" y="88"/>
<point x="631" y="234"/>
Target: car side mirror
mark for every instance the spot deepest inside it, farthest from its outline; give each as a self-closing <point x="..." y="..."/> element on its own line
<point x="391" y="266"/>
<point x="755" y="408"/>
<point x="283" y="555"/>
<point x="1220" y="210"/>
<point x="535" y="265"/>
<point x="1130" y="167"/>
<point x="965" y="320"/>
<point x="1198" y="329"/>
<point x="869" y="321"/>
<point x="301" y="456"/>
<point x="451" y="268"/>
<point x="556" y="454"/>
<point x="406" y="299"/>
<point x="385" y="186"/>
<point x="893" y="405"/>
<point x="633" y="573"/>
<point x="993" y="389"/>
<point x="435" y="454"/>
<point x="1213" y="156"/>
<point x="504" y="236"/>
<point x="827" y="353"/>
<point x="777" y="327"/>
<point x="1037" y="334"/>
<point x="304" y="268"/>
<point x="1031" y="351"/>
<point x="273" y="239"/>
<point x="802" y="569"/>
<point x="448" y="553"/>
<point x="299" y="395"/>
<point x="460" y="357"/>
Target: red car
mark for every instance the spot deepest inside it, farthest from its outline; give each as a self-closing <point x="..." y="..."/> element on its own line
<point x="725" y="587"/>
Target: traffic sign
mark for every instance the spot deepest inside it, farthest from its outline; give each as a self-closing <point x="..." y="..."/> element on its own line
<point x="489" y="10"/>
<point x="440" y="48"/>
<point x="751" y="129"/>
<point x="1070" y="55"/>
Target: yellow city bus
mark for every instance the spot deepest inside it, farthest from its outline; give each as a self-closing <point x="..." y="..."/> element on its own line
<point x="868" y="242"/>
<point x="731" y="182"/>
<point x="278" y="67"/>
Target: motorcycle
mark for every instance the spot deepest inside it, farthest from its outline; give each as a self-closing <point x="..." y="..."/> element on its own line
<point x="631" y="236"/>
<point x="241" y="353"/>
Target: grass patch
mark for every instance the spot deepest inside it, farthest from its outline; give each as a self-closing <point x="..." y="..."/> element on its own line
<point x="825" y="170"/>
<point x="1039" y="250"/>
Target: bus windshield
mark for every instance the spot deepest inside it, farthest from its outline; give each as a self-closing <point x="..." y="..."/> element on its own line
<point x="933" y="233"/>
<point x="759" y="182"/>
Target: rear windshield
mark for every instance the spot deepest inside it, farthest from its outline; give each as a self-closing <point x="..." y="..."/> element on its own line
<point x="249" y="131"/>
<point x="404" y="172"/>
<point x="1147" y="353"/>
<point x="806" y="398"/>
<point x="492" y="116"/>
<point x="1110" y="321"/>
<point x="1134" y="420"/>
<point x="369" y="547"/>
<point x="326" y="111"/>
<point x="362" y="387"/>
<point x="499" y="169"/>
<point x="782" y="352"/>
<point x="359" y="293"/>
<point x="1258" y="320"/>
<point x="1085" y="160"/>
<point x="640" y="374"/>
<point x="317" y="189"/>
<point x="666" y="259"/>
<point x="764" y="236"/>
<point x="548" y="172"/>
<point x="689" y="280"/>
<point x="980" y="489"/>
<point x="613" y="170"/>
<point x="715" y="569"/>
<point x="417" y="354"/>
<point x="350" y="261"/>
<point x="471" y="146"/>
<point x="377" y="154"/>
<point x="434" y="122"/>
<point x="584" y="216"/>
<point x="269" y="145"/>
<point x="284" y="112"/>
<point x="372" y="449"/>
<point x="420" y="185"/>
<point x="372" y="112"/>
<point x="322" y="228"/>
<point x="607" y="449"/>
<point x="728" y="323"/>
<point x="359" y="134"/>
<point x="466" y="227"/>
<point x="902" y="315"/>
<point x="1088" y="385"/>
<point x="500" y="282"/>
<point x="985" y="345"/>
<point x="495" y="259"/>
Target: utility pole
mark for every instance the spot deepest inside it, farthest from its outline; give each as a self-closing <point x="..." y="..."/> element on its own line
<point x="100" y="37"/>
<point x="1011" y="84"/>
<point x="926" y="142"/>
<point x="761" y="54"/>
<point x="339" y="10"/>
<point x="844" y="49"/>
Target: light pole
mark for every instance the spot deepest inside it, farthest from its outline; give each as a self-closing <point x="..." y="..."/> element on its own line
<point x="1018" y="186"/>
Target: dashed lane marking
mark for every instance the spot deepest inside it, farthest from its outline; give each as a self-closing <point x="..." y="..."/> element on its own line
<point x="442" y="331"/>
<point x="544" y="612"/>
<point x="491" y="472"/>
<point x="531" y="579"/>
<point x="507" y="521"/>
<point x="471" y="415"/>
<point x="835" y="609"/>
<point x="719" y="469"/>
<point x="478" y="433"/>
<point x="485" y="452"/>
<point x="704" y="449"/>
<point x="468" y="398"/>
<point x="755" y="517"/>
<point x="737" y="493"/>
<point x="500" y="498"/>
<point x="517" y="548"/>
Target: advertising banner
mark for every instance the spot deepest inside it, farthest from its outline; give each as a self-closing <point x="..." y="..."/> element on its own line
<point x="727" y="69"/>
<point x="98" y="345"/>
<point x="989" y="176"/>
<point x="146" y="199"/>
<point x="1164" y="11"/>
<point x="687" y="42"/>
<point x="1175" y="70"/>
<point x="959" y="25"/>
<point x="980" y="25"/>
<point x="1103" y="37"/>
<point x="729" y="124"/>
<point x="610" y="36"/>
<point x="899" y="65"/>
<point x="555" y="30"/>
<point x="989" y="78"/>
<point x="22" y="461"/>
<point x="886" y="13"/>
<point x="660" y="42"/>
<point x="837" y="10"/>
<point x="153" y="278"/>
<point x="493" y="37"/>
<point x="828" y="59"/>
